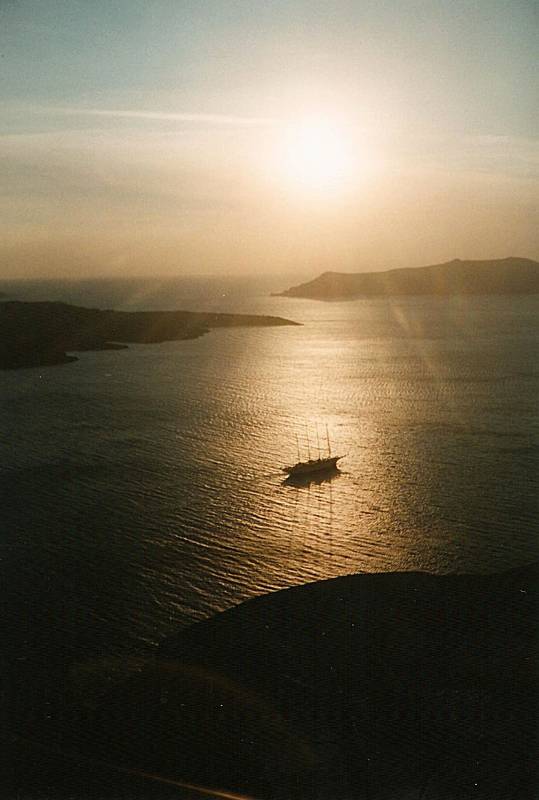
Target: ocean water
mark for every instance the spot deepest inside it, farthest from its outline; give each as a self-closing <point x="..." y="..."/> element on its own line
<point x="142" y="490"/>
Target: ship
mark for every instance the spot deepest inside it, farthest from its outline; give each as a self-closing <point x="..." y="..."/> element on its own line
<point x="321" y="464"/>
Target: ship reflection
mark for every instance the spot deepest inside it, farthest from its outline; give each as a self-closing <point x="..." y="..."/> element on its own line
<point x="316" y="478"/>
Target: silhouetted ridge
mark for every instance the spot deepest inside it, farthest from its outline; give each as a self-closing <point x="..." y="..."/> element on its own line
<point x="501" y="276"/>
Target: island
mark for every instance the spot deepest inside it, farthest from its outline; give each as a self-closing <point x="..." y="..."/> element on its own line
<point x="36" y="334"/>
<point x="500" y="276"/>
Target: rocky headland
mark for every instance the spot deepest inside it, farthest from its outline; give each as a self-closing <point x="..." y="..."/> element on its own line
<point x="501" y="276"/>
<point x="43" y="333"/>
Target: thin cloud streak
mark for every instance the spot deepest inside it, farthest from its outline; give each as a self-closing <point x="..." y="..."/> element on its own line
<point x="214" y="119"/>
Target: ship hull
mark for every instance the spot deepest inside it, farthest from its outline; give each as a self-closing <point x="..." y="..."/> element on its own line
<point x="314" y="466"/>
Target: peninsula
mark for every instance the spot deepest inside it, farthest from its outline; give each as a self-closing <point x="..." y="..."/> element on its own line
<point x="35" y="334"/>
<point x="501" y="276"/>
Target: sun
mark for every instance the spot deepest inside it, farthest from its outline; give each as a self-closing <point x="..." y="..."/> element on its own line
<point x="317" y="156"/>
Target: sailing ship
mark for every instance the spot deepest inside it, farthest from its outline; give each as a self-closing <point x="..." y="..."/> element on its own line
<point x="326" y="463"/>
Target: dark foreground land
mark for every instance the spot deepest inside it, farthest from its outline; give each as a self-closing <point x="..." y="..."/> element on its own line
<point x="403" y="686"/>
<point x="41" y="334"/>
<point x="501" y="276"/>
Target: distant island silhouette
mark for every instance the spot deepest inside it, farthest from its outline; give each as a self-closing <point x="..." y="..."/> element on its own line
<point x="500" y="276"/>
<point x="36" y="334"/>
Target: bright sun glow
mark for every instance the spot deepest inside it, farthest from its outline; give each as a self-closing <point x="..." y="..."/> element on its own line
<point x="318" y="156"/>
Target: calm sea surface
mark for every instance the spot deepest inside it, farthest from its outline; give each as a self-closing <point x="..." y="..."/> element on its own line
<point x="141" y="489"/>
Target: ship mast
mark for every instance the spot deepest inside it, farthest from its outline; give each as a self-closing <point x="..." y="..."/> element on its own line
<point x="308" y="444"/>
<point x="318" y="442"/>
<point x="297" y="444"/>
<point x="329" y="446"/>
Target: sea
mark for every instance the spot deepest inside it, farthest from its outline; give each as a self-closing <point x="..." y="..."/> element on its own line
<point x="142" y="490"/>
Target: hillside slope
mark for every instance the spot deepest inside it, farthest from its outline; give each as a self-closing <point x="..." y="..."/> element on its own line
<point x="500" y="276"/>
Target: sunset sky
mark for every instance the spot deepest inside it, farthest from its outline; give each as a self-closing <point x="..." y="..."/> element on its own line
<point x="211" y="136"/>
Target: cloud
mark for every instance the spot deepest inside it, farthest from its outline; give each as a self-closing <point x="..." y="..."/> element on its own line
<point x="189" y="117"/>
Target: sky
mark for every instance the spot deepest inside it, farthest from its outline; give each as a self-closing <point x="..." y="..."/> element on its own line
<point x="174" y="137"/>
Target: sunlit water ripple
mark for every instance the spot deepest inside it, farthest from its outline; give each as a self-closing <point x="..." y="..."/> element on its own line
<point x="142" y="488"/>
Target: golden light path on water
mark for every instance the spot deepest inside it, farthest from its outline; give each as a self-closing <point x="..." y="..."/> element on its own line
<point x="325" y="527"/>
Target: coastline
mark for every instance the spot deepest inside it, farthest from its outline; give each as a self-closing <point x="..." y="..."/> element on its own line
<point x="36" y="334"/>
<point x="505" y="276"/>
